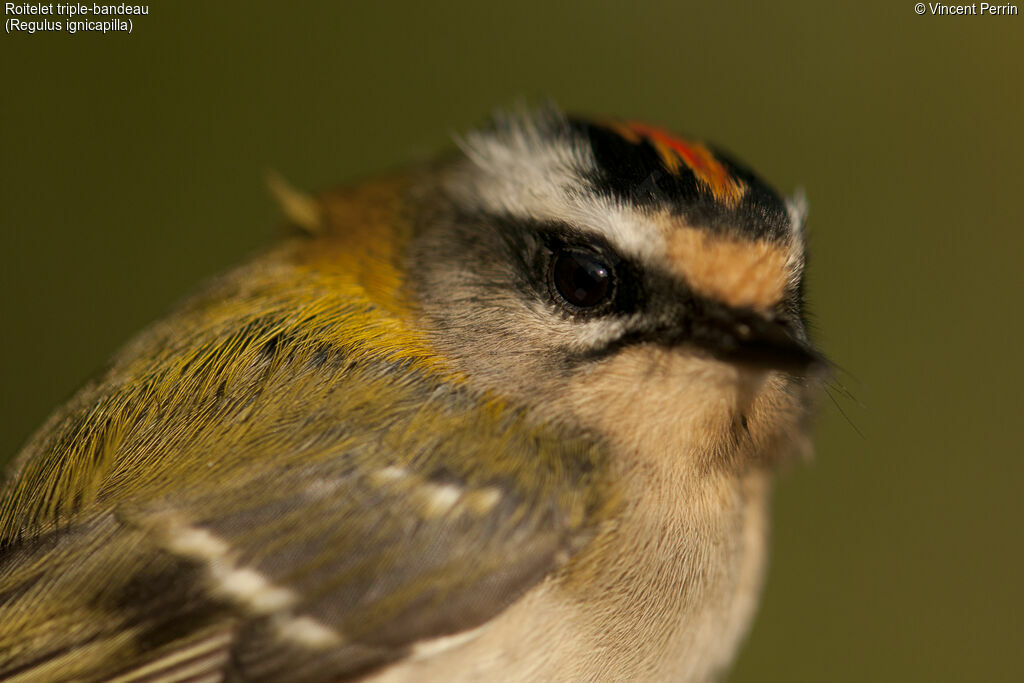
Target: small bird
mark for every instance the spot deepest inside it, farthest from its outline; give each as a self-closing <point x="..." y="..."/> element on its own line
<point x="511" y="415"/>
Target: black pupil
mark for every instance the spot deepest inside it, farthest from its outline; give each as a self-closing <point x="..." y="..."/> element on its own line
<point x="581" y="279"/>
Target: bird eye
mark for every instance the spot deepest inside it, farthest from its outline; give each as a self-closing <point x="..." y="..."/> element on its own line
<point x="581" y="279"/>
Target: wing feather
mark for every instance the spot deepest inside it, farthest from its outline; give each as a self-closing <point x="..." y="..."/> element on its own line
<point x="308" y="511"/>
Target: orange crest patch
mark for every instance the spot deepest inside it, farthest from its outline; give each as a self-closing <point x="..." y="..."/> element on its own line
<point x="675" y="153"/>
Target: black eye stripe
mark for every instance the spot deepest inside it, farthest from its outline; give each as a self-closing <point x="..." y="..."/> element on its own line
<point x="624" y="293"/>
<point x="533" y="244"/>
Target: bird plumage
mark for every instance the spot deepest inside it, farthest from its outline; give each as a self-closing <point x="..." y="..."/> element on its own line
<point x="389" y="448"/>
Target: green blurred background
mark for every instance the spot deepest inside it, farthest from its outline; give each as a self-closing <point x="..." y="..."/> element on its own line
<point x="132" y="168"/>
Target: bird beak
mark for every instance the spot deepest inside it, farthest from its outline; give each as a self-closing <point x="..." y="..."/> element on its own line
<point x="752" y="339"/>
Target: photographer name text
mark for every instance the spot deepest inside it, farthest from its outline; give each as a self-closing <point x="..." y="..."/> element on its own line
<point x="974" y="9"/>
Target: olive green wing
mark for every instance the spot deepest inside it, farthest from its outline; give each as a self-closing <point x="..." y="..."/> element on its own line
<point x="310" y="520"/>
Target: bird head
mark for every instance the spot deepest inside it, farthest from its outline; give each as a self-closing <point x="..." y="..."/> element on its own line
<point x="614" y="275"/>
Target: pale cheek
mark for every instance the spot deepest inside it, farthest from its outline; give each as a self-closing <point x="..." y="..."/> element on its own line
<point x="658" y="402"/>
<point x="670" y="409"/>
